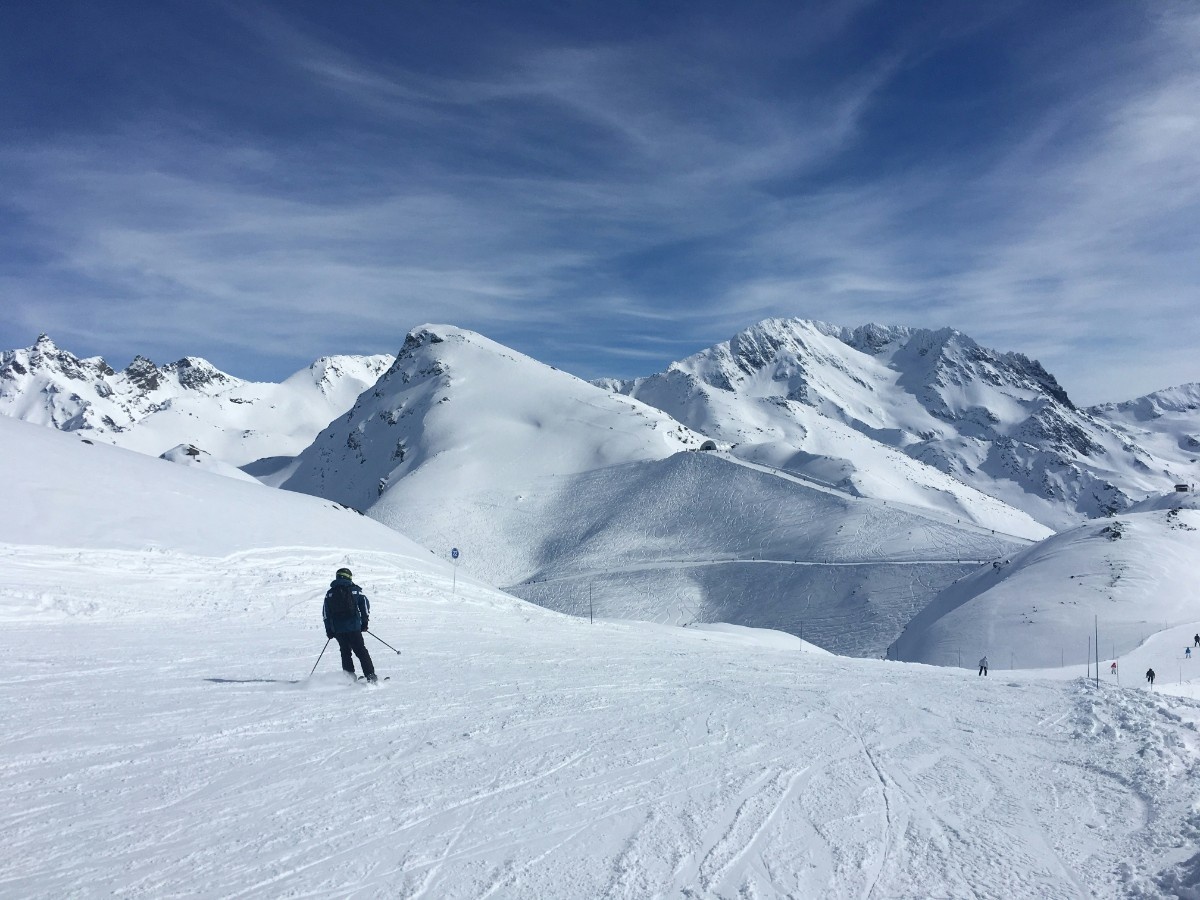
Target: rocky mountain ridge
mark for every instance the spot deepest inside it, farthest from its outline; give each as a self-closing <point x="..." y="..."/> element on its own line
<point x="152" y="408"/>
<point x="996" y="421"/>
<point x="895" y="412"/>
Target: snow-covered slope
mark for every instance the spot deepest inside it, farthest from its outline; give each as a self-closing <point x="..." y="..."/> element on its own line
<point x="704" y="537"/>
<point x="996" y="421"/>
<point x="162" y="736"/>
<point x="565" y="494"/>
<point x="461" y="434"/>
<point x="1166" y="423"/>
<point x="152" y="408"/>
<point x="459" y="414"/>
<point x="1130" y="576"/>
<point x="194" y="457"/>
<point x="61" y="491"/>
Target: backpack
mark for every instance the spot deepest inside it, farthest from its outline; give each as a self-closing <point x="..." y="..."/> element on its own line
<point x="340" y="605"/>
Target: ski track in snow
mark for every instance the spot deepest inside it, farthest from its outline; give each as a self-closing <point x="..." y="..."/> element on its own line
<point x="516" y="753"/>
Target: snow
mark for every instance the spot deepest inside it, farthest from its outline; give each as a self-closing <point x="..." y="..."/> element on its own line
<point x="1128" y="577"/>
<point x="1166" y="423"/>
<point x="565" y="494"/>
<point x="162" y="737"/>
<point x="60" y="491"/>
<point x="457" y="408"/>
<point x="189" y="455"/>
<point x="942" y="419"/>
<point x="152" y="409"/>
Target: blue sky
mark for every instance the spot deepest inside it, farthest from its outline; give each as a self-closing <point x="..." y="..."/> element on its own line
<point x="604" y="186"/>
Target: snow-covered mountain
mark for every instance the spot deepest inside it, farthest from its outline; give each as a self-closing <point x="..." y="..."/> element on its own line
<point x="824" y="400"/>
<point x="865" y="470"/>
<point x="572" y="496"/>
<point x="458" y="412"/>
<point x="1165" y="423"/>
<point x="152" y="408"/>
<point x="160" y="625"/>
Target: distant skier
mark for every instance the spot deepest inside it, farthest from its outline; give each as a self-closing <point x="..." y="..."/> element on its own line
<point x="346" y="612"/>
<point x="1112" y="670"/>
<point x="1187" y="652"/>
<point x="1150" y="676"/>
<point x="1196" y="641"/>
<point x="983" y="666"/>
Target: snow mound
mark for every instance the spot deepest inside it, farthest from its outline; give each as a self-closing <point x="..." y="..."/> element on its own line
<point x="193" y="457"/>
<point x="1130" y="576"/>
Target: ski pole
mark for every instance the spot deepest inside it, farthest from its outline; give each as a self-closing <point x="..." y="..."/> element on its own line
<point x="318" y="662"/>
<point x="382" y="641"/>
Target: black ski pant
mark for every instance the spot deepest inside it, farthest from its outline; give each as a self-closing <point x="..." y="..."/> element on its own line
<point x="354" y="641"/>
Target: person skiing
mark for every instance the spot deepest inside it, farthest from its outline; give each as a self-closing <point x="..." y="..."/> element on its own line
<point x="1196" y="641"/>
<point x="1112" y="670"/>
<point x="1187" y="652"/>
<point x="1150" y="676"/>
<point x="346" y="612"/>
<point x="983" y="666"/>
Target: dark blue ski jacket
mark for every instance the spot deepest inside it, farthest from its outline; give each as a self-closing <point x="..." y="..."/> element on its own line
<point x="346" y="624"/>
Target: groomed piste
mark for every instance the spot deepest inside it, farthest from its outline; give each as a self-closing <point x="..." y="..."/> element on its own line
<point x="162" y="737"/>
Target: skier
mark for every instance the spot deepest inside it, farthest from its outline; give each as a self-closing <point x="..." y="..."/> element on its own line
<point x="1150" y="676"/>
<point x="1113" y="668"/>
<point x="345" y="612"/>
<point x="1196" y="641"/>
<point x="983" y="666"/>
<point x="1187" y="652"/>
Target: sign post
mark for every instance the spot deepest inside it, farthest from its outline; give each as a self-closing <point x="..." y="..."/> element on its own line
<point x="454" y="579"/>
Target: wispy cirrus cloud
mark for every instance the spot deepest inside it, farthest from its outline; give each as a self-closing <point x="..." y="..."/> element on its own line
<point x="596" y="200"/>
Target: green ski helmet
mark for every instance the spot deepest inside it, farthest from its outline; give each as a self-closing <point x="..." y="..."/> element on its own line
<point x="345" y="573"/>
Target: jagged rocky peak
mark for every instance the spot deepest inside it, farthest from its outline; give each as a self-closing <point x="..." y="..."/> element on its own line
<point x="328" y="367"/>
<point x="46" y="356"/>
<point x="416" y="349"/>
<point x="143" y="373"/>
<point x="1183" y="398"/>
<point x="873" y="338"/>
<point x="330" y="374"/>
<point x="762" y="345"/>
<point x="759" y="346"/>
<point x="765" y="342"/>
<point x="790" y="351"/>
<point x="424" y="336"/>
<point x="194" y="373"/>
<point x="327" y="370"/>
<point x="947" y="356"/>
<point x="937" y="346"/>
<point x="1039" y="377"/>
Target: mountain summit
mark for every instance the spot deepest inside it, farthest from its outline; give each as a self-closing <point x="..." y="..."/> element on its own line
<point x="459" y="421"/>
<point x="151" y="408"/>
<point x="996" y="421"/>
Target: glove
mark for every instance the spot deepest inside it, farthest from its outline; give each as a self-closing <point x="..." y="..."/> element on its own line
<point x="365" y="628"/>
<point x="328" y="634"/>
